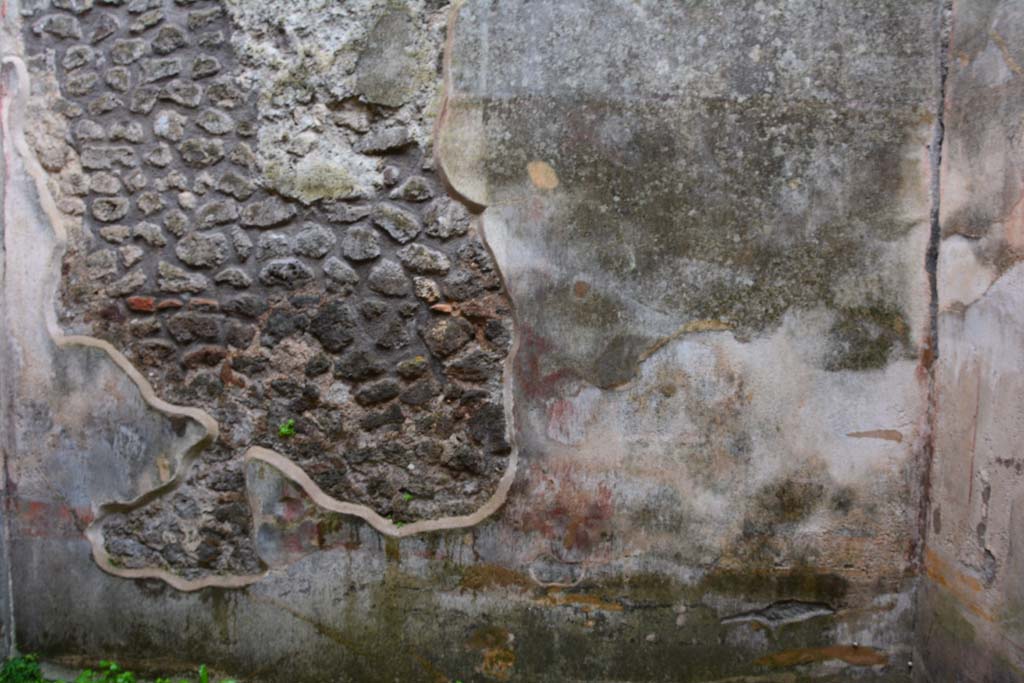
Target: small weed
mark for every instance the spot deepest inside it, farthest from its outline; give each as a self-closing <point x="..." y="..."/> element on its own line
<point x="407" y="496"/>
<point x="21" y="670"/>
<point x="26" y="670"/>
<point x="286" y="429"/>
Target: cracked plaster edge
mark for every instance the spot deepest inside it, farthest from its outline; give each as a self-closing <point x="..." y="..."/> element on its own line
<point x="13" y="127"/>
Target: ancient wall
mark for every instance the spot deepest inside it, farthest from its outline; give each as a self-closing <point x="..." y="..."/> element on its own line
<point x="971" y="605"/>
<point x="522" y="341"/>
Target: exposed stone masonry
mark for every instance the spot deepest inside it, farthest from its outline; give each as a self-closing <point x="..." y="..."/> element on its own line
<point x="372" y="323"/>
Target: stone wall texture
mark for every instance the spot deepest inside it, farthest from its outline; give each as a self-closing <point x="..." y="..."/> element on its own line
<point x="407" y="340"/>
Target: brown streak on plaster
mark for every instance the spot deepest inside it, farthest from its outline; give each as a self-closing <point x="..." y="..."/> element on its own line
<point x="1005" y="50"/>
<point x="884" y="434"/>
<point x="850" y="654"/>
<point x="963" y="586"/>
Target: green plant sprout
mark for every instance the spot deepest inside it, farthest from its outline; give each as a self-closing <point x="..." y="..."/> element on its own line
<point x="26" y="669"/>
<point x="286" y="429"/>
<point x="407" y="496"/>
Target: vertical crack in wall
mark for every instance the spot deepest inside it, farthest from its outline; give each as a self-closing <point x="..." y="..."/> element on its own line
<point x="6" y="417"/>
<point x="943" y="20"/>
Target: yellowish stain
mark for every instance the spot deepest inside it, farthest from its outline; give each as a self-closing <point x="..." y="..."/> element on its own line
<point x="163" y="468"/>
<point x="581" y="600"/>
<point x="885" y="434"/>
<point x="857" y="656"/>
<point x="542" y="175"/>
<point x="1005" y="50"/>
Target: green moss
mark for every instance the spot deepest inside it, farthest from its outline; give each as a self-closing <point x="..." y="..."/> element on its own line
<point x="866" y="338"/>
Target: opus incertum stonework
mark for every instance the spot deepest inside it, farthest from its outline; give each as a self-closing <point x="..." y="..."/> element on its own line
<point x="354" y="324"/>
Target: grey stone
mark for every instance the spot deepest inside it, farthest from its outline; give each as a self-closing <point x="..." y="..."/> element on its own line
<point x="272" y="245"/>
<point x="210" y="39"/>
<point x="242" y="155"/>
<point x="101" y="264"/>
<point x="181" y="92"/>
<point x="68" y="109"/>
<point x="377" y="392"/>
<point x="130" y="255"/>
<point x="341" y="212"/>
<point x="169" y="38"/>
<point x="103" y="27"/>
<point x="118" y="78"/>
<point x="242" y="244"/>
<point x="128" y="284"/>
<point x="202" y="250"/>
<point x="360" y="244"/>
<point x="81" y="82"/>
<point x="315" y="241"/>
<point x="340" y="272"/>
<point x="201" y="152"/>
<point x="383" y="141"/>
<point x="104" y="183"/>
<point x="78" y="55"/>
<point x="175" y="280"/>
<point x="288" y="272"/>
<point x="215" y="121"/>
<point x="401" y="225"/>
<point x="424" y="260"/>
<point x="116" y="234"/>
<point x="73" y="6"/>
<point x="334" y="326"/>
<point x="388" y="278"/>
<point x="203" y="182"/>
<point x="426" y="289"/>
<point x="130" y="131"/>
<point x="233" y="277"/>
<point x="146" y="20"/>
<point x="103" y="103"/>
<point x="388" y="72"/>
<point x="447" y="335"/>
<point x="174" y="180"/>
<point x="415" y="189"/>
<point x="224" y="94"/>
<point x="135" y="180"/>
<point x="445" y="219"/>
<point x="110" y="209"/>
<point x="128" y="50"/>
<point x="159" y="68"/>
<point x="170" y="125"/>
<point x="176" y="223"/>
<point x="216" y="212"/>
<point x="139" y="6"/>
<point x="204" y="66"/>
<point x="161" y="156"/>
<point x="188" y="326"/>
<point x="150" y="233"/>
<point x="143" y="98"/>
<point x="235" y="185"/>
<point x="391" y="175"/>
<point x="149" y="203"/>
<point x="87" y="129"/>
<point x="267" y="213"/>
<point x="201" y="18"/>
<point x="60" y="26"/>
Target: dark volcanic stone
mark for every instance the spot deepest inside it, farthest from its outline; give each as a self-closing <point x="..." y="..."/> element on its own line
<point x="334" y="326"/>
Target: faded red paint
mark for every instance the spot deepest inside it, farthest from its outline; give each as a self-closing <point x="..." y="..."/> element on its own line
<point x="530" y="378"/>
<point x="575" y="515"/>
<point x="47" y="519"/>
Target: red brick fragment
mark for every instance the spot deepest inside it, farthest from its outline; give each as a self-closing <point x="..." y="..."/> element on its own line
<point x="169" y="303"/>
<point x="141" y="304"/>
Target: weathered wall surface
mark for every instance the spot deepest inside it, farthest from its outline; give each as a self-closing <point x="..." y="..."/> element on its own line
<point x="971" y="606"/>
<point x="694" y="456"/>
